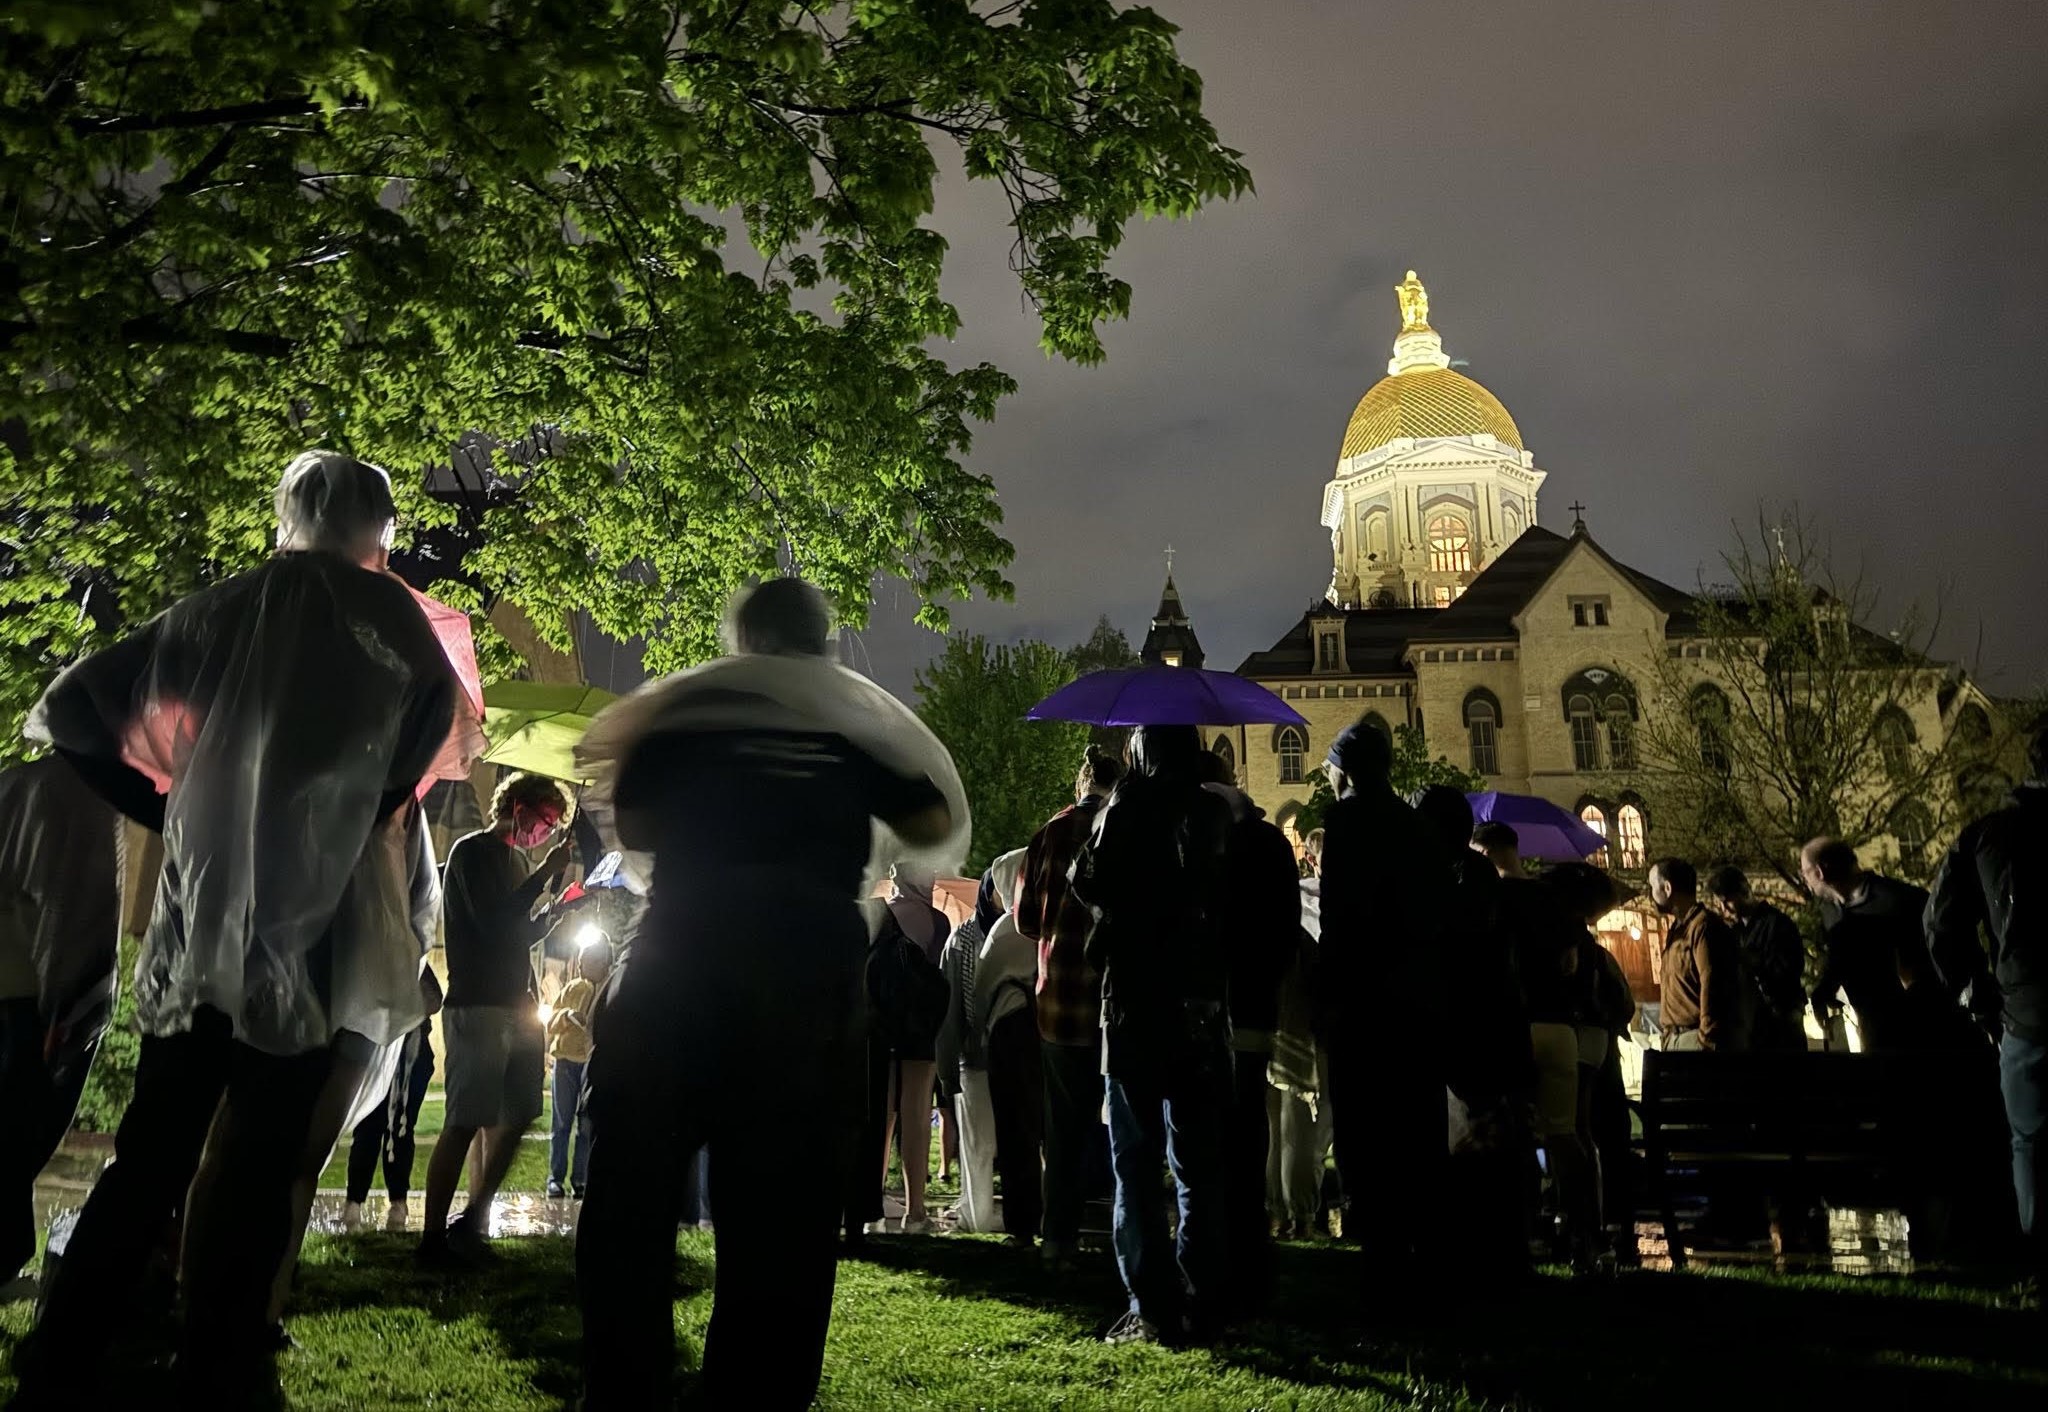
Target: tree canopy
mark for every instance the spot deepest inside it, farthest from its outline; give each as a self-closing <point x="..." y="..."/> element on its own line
<point x="1018" y="773"/>
<point x="239" y="230"/>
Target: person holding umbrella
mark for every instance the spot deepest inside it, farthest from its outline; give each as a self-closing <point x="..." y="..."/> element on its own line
<point x="1152" y="873"/>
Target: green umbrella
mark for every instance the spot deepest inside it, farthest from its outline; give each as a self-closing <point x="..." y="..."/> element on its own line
<point x="535" y="725"/>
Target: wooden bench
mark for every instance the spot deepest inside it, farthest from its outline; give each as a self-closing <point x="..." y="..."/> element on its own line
<point x="1827" y="1126"/>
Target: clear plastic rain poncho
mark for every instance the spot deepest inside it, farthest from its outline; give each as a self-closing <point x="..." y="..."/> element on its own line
<point x="768" y="693"/>
<point x="61" y="861"/>
<point x="290" y="710"/>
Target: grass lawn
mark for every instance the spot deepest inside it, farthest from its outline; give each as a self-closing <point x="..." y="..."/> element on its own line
<point x="963" y="1322"/>
<point x="529" y="1169"/>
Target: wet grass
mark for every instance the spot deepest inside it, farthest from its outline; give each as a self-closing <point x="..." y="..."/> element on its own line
<point x="529" y="1169"/>
<point x="964" y="1322"/>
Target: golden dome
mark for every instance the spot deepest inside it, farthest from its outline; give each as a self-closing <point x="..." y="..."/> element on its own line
<point x="1425" y="402"/>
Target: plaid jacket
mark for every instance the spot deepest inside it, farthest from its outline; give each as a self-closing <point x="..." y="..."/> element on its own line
<point x="1069" y="989"/>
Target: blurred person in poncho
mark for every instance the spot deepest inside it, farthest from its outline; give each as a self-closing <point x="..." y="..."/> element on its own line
<point x="288" y="716"/>
<point x="61" y="862"/>
<point x="759" y="799"/>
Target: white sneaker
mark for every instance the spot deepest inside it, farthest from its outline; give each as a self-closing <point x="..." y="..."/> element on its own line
<point x="397" y="1216"/>
<point x="920" y="1226"/>
<point x="352" y="1216"/>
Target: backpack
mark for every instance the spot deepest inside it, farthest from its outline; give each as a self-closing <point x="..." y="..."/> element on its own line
<point x="907" y="994"/>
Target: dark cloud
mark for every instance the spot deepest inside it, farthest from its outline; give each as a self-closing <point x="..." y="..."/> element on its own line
<point x="1707" y="254"/>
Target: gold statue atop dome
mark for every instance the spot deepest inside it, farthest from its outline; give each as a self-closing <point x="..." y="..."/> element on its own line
<point x="1414" y="305"/>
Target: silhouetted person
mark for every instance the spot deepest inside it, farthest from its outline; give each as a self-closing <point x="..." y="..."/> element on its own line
<point x="1995" y="880"/>
<point x="1773" y="962"/>
<point x="1069" y="1008"/>
<point x="1152" y="873"/>
<point x="1382" y="984"/>
<point x="61" y="860"/>
<point x="1260" y="914"/>
<point x="1501" y="846"/>
<point x="1491" y="1073"/>
<point x="738" y="1017"/>
<point x="1874" y="951"/>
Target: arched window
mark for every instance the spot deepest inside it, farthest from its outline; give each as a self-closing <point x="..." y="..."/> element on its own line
<point x="1374" y="537"/>
<point x="1621" y="733"/>
<point x="1631" y="836"/>
<point x="1293" y="755"/>
<point x="1710" y="719"/>
<point x="1227" y="753"/>
<point x="1376" y="721"/>
<point x="1913" y="830"/>
<point x="1482" y="723"/>
<point x="1973" y="728"/>
<point x="1585" y="734"/>
<point x="1895" y="742"/>
<point x="1450" y="545"/>
<point x="1510" y="522"/>
<point x="1595" y="818"/>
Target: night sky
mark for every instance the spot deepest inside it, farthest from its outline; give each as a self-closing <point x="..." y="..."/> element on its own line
<point x="1708" y="254"/>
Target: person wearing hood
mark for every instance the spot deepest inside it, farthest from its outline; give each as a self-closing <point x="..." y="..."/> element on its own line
<point x="1260" y="916"/>
<point x="1004" y="980"/>
<point x="963" y="1056"/>
<point x="747" y="793"/>
<point x="1992" y="880"/>
<point x="61" y="863"/>
<point x="287" y="713"/>
<point x="1381" y="985"/>
<point x="1152" y="873"/>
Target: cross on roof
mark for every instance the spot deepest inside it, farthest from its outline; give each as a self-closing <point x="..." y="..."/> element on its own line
<point x="1578" y="514"/>
<point x="1169" y="560"/>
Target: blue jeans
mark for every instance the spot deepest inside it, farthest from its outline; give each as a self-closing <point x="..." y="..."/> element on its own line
<point x="1176" y="1119"/>
<point x="568" y="1094"/>
<point x="2023" y="1076"/>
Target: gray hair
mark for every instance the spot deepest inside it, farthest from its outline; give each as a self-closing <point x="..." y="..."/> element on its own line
<point x="331" y="502"/>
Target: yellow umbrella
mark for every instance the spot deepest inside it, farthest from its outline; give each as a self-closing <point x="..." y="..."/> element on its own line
<point x="535" y="725"/>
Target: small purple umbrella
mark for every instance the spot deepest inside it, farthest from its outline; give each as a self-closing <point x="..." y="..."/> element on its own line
<point x="1541" y="828"/>
<point x="1165" y="696"/>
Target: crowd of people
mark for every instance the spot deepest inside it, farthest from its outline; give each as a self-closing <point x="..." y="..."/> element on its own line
<point x="1153" y="986"/>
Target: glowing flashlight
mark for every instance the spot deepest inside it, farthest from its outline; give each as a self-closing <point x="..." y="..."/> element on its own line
<point x="590" y="935"/>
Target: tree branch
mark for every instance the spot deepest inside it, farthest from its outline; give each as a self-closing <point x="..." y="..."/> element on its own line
<point x="295" y="107"/>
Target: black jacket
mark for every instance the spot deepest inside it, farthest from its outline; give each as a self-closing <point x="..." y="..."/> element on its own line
<point x="1876" y="952"/>
<point x="1259" y="910"/>
<point x="1152" y="873"/>
<point x="1378" y="967"/>
<point x="1992" y="878"/>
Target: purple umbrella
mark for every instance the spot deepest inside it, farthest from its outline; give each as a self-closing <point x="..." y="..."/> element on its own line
<point x="1541" y="828"/>
<point x="1165" y="696"/>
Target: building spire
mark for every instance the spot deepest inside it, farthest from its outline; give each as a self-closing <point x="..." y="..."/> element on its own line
<point x="1418" y="348"/>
